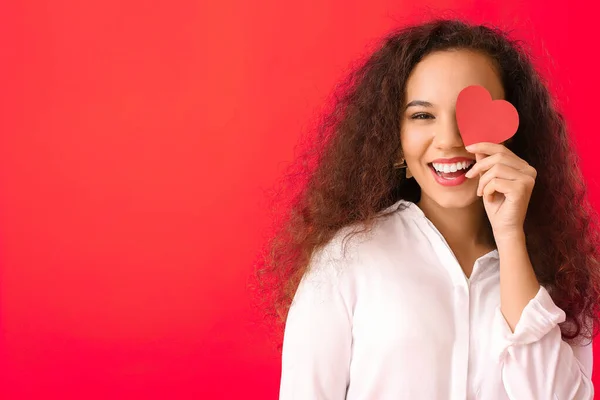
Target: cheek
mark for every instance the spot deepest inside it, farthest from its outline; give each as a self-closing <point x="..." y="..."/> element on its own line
<point x="414" y="142"/>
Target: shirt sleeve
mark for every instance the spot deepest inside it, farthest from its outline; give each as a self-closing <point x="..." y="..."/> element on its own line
<point x="536" y="362"/>
<point x="317" y="339"/>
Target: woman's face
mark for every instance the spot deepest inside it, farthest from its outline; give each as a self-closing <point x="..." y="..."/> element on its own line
<point x="429" y="134"/>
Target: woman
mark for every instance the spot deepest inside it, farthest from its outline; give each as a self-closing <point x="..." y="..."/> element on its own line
<point x="411" y="283"/>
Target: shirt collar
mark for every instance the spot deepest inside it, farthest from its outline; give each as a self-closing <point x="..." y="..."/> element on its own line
<point x="417" y="213"/>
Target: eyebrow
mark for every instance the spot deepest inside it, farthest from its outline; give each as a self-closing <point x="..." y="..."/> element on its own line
<point x="416" y="103"/>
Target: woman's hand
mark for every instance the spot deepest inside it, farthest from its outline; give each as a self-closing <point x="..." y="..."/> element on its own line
<point x="506" y="182"/>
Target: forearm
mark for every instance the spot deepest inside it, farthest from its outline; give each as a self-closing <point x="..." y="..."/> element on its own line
<point x="518" y="283"/>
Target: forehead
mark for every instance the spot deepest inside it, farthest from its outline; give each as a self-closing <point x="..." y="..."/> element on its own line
<point x="439" y="77"/>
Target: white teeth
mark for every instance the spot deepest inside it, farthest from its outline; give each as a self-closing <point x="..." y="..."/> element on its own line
<point x="452" y="167"/>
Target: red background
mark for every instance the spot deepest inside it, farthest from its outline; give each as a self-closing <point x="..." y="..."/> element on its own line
<point x="135" y="140"/>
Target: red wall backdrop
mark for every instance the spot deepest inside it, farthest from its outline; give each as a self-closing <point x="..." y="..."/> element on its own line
<point x="135" y="140"/>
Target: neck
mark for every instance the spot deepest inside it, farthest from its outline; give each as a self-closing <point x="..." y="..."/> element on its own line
<point x="463" y="228"/>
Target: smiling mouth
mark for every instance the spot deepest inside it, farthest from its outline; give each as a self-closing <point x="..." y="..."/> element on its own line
<point x="451" y="175"/>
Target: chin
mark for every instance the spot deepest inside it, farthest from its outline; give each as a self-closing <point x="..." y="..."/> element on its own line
<point x="456" y="200"/>
<point x="458" y="196"/>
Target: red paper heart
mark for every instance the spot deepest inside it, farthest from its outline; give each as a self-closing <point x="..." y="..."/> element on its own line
<point x="482" y="120"/>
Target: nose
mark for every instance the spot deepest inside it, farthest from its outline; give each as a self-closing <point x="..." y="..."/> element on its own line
<point x="447" y="136"/>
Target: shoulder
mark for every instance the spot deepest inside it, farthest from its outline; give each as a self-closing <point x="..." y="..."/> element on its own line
<point x="356" y="245"/>
<point x="356" y="259"/>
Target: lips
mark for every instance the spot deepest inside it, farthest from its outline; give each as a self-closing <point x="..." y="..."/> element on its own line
<point x="452" y="160"/>
<point x="451" y="174"/>
<point x="451" y="178"/>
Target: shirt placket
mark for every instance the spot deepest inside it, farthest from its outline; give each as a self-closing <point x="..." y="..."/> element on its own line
<point x="462" y="316"/>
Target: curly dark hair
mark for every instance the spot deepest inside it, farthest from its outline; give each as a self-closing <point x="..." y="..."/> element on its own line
<point x="344" y="175"/>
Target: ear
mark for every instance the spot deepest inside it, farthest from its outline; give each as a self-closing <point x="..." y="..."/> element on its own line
<point x="408" y="173"/>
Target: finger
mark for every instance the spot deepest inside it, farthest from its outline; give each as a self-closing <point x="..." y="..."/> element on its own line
<point x="492" y="187"/>
<point x="507" y="159"/>
<point x="488" y="148"/>
<point x="478" y="158"/>
<point x="510" y="189"/>
<point x="499" y="171"/>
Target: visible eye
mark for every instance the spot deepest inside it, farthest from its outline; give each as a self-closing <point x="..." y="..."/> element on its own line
<point x="421" y="116"/>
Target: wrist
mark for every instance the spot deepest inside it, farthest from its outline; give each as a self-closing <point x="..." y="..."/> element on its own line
<point x="509" y="239"/>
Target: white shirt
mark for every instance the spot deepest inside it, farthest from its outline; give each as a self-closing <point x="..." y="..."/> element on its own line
<point x="395" y="317"/>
